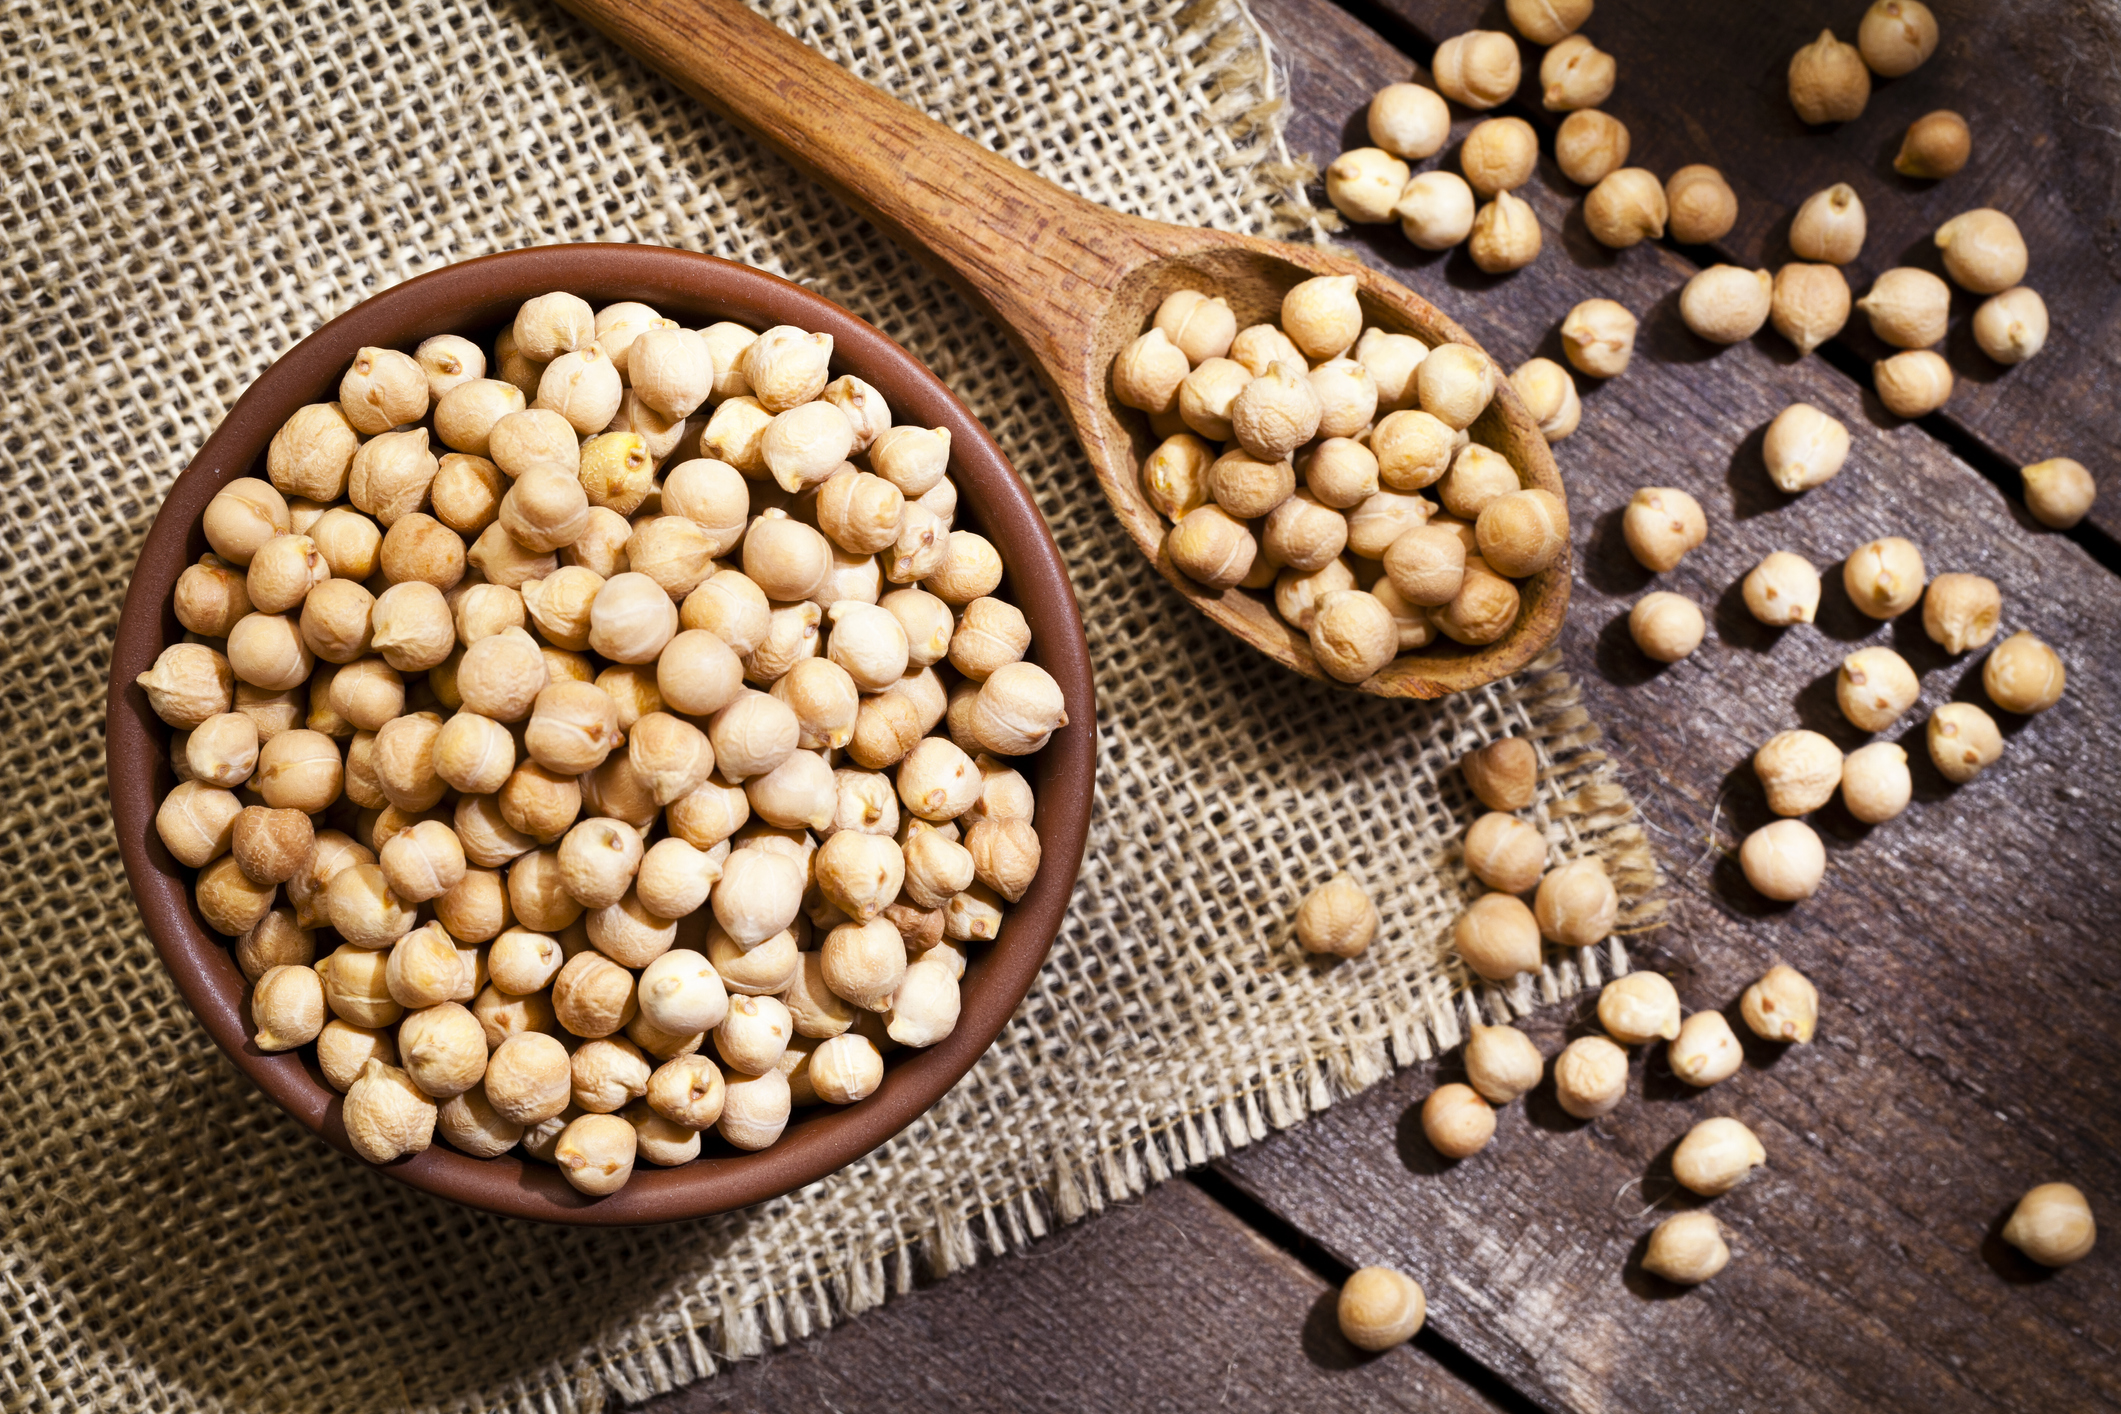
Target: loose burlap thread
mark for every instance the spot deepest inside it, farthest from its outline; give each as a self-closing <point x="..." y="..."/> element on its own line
<point x="188" y="191"/>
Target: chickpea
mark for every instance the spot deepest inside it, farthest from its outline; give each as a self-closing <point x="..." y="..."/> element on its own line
<point x="1983" y="251"/>
<point x="1799" y="771"/>
<point x="1502" y="1063"/>
<point x="1408" y="121"/>
<point x="1478" y="69"/>
<point x="1456" y="383"/>
<point x="1705" y="1052"/>
<point x="1590" y="146"/>
<point x="1829" y="226"/>
<point x="1716" y="1156"/>
<point x="1497" y="937"/>
<point x="465" y="415"/>
<point x="1702" y="207"/>
<point x="1960" y="611"/>
<point x="1725" y="304"/>
<point x="1379" y="1308"/>
<point x="1520" y="532"/>
<point x="1639" y="1008"/>
<point x="1913" y="384"/>
<point x="1784" y="860"/>
<point x="1435" y="210"/>
<point x="1505" y="853"/>
<point x="1875" y="783"/>
<point x="1457" y="1122"/>
<point x="1782" y="589"/>
<point x="1885" y="578"/>
<point x="2052" y="1224"/>
<point x="2059" y="492"/>
<point x="2024" y="675"/>
<point x="1626" y="208"/>
<point x="1782" y="1005"/>
<point x="1937" y="145"/>
<point x="1829" y="82"/>
<point x="1666" y="626"/>
<point x="1590" y="1077"/>
<point x="1505" y="235"/>
<point x="1809" y="304"/>
<point x="1364" y="183"/>
<point x="2011" y="327"/>
<point x="1504" y="774"/>
<point x="1550" y="396"/>
<point x="1575" y="74"/>
<point x="1577" y="905"/>
<point x="1484" y="608"/>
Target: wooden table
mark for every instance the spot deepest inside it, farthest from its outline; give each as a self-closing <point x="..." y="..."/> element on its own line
<point x="1970" y="1037"/>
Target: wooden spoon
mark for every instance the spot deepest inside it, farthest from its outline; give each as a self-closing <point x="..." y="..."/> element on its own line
<point x="1071" y="281"/>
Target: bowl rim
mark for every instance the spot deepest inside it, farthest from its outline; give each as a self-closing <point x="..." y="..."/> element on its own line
<point x="469" y="296"/>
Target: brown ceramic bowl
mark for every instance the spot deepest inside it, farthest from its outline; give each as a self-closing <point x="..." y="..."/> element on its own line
<point x="474" y="298"/>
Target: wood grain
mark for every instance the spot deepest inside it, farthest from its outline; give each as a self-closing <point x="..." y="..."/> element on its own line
<point x="1072" y="282"/>
<point x="2038" y="88"/>
<point x="1169" y="1303"/>
<point x="1970" y="1043"/>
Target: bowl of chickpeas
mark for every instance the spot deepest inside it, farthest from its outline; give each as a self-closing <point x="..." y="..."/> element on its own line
<point x="601" y="733"/>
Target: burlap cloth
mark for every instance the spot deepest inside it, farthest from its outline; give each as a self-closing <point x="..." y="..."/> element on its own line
<point x="186" y="191"/>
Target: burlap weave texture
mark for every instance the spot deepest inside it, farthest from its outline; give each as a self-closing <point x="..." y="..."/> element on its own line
<point x="187" y="190"/>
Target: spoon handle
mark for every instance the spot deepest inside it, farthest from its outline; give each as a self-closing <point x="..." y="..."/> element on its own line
<point x="1044" y="260"/>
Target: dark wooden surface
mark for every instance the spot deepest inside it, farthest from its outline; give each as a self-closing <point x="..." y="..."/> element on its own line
<point x="1970" y="1038"/>
<point x="2041" y="93"/>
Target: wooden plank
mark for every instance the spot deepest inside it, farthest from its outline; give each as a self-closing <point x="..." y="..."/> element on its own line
<point x="1971" y="1037"/>
<point x="2038" y="88"/>
<point x="1163" y="1304"/>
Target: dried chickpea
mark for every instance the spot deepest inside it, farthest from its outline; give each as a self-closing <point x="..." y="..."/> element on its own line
<point x="595" y="1153"/>
<point x="1549" y="395"/>
<point x="1625" y="208"/>
<point x="1505" y="235"/>
<point x="2023" y="675"/>
<point x="1379" y="1308"/>
<point x="343" y="1049"/>
<point x="1590" y="1077"/>
<point x="1799" y="770"/>
<point x="1364" y="183"/>
<point x="210" y="597"/>
<point x="1322" y="316"/>
<point x="271" y="846"/>
<point x="471" y="1124"/>
<point x="282" y="572"/>
<point x="1983" y="251"/>
<point x="1212" y="547"/>
<point x="1435" y="210"/>
<point x="755" y="1109"/>
<point x="1960" y="611"/>
<point x="1782" y="589"/>
<point x="1804" y="447"/>
<point x="386" y="1115"/>
<point x="1590" y="146"/>
<point x="287" y="1008"/>
<point x="1705" y="1052"/>
<point x="1337" y="918"/>
<point x="1702" y="207"/>
<point x="1484" y="608"/>
<point x="1498" y="155"/>
<point x="1809" y="304"/>
<point x="1884" y="578"/>
<point x="1456" y="383"/>
<point x="276" y="940"/>
<point x="1577" y="905"/>
<point x="1896" y="37"/>
<point x="1716" y="1156"/>
<point x="1502" y="1063"/>
<point x="1497" y="937"/>
<point x="1829" y="226"/>
<point x="1478" y="69"/>
<point x="1271" y="416"/>
<point x="1457" y="1122"/>
<point x="356" y="987"/>
<point x="1408" y="121"/>
<point x="1145" y="375"/>
<point x="1914" y="383"/>
<point x="1575" y="74"/>
<point x="1937" y="145"/>
<point x="1725" y="304"/>
<point x="1783" y="860"/>
<point x="242" y="517"/>
<point x="1504" y="774"/>
<point x="1666" y="626"/>
<point x="222" y="750"/>
<point x="1661" y="524"/>
<point x="1829" y="82"/>
<point x="1598" y="338"/>
<point x="1875" y="783"/>
<point x="444" y="1049"/>
<point x="391" y="475"/>
<point x="1505" y="853"/>
<point x="2059" y="492"/>
<point x="1639" y="1008"/>
<point x="1296" y="595"/>
<point x="2011" y="327"/>
<point x="2052" y="1224"/>
<point x="1907" y="307"/>
<point x="299" y="770"/>
<point x="1520" y="532"/>
<point x="1409" y="450"/>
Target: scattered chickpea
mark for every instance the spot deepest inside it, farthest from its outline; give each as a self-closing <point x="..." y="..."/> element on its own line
<point x="1409" y="121"/>
<point x="1799" y="770"/>
<point x="1809" y="304"/>
<point x="1687" y="1249"/>
<point x="1804" y="447"/>
<point x="1983" y="251"/>
<point x="1549" y="395"/>
<point x="1577" y="905"/>
<point x="2059" y="492"/>
<point x="1497" y="937"/>
<point x="1896" y="37"/>
<point x="1913" y="384"/>
<point x="1364" y="184"/>
<point x="1908" y="308"/>
<point x="1666" y="626"/>
<point x="1875" y="782"/>
<point x="1702" y="206"/>
<point x="1478" y="69"/>
<point x="1598" y="337"/>
<point x="1705" y="1051"/>
<point x="1505" y="235"/>
<point x="1590" y="1077"/>
<point x="1575" y="74"/>
<point x="1782" y="1005"/>
<point x="1502" y="1063"/>
<point x="1885" y="578"/>
<point x="1639" y="1008"/>
<point x="1782" y="589"/>
<point x="1716" y="1156"/>
<point x="1498" y="155"/>
<point x="2052" y="1224"/>
<point x="1725" y="304"/>
<point x="1783" y="860"/>
<point x="1435" y="210"/>
<point x="1829" y="82"/>
<point x="1625" y="208"/>
<point x="2011" y="327"/>
<point x="2023" y="675"/>
<point x="1457" y="1121"/>
<point x="1590" y="146"/>
<point x="1505" y="853"/>
<point x="1960" y="611"/>
<point x="1829" y="226"/>
<point x="1380" y="1308"/>
<point x="1937" y="145"/>
<point x="1522" y="532"/>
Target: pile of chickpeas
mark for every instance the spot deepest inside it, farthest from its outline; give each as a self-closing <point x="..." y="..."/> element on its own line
<point x="1365" y="420"/>
<point x="665" y="702"/>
